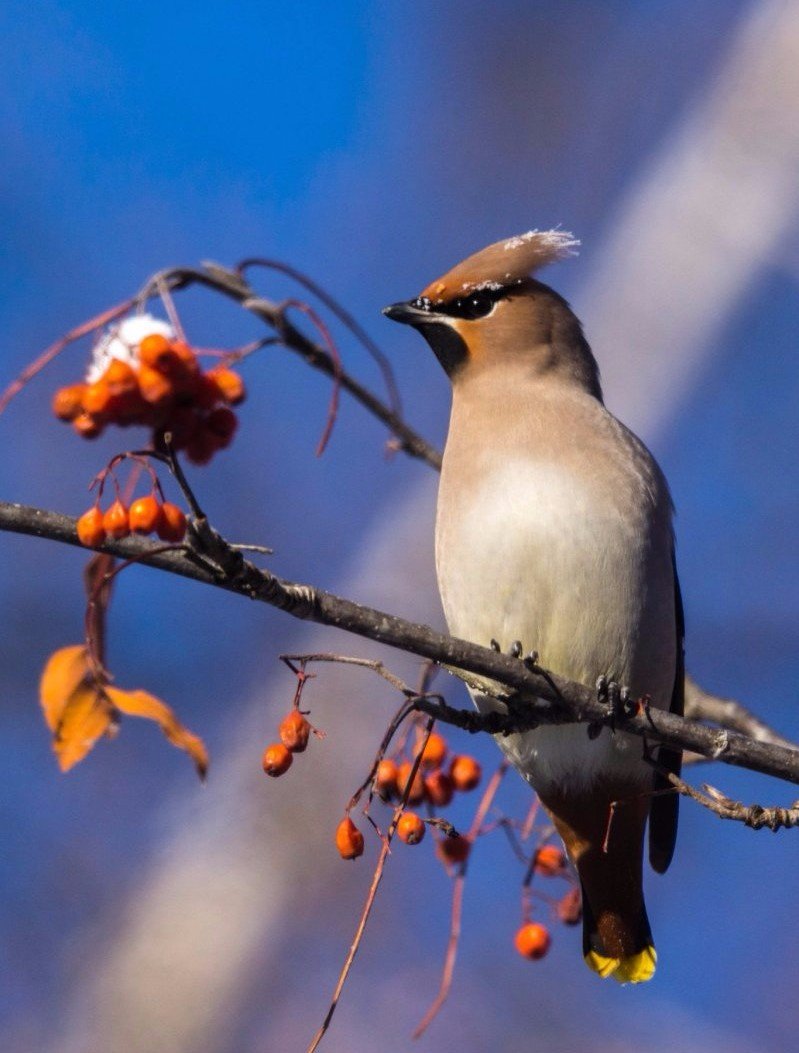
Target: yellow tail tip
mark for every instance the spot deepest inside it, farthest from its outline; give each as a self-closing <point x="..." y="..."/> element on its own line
<point x="636" y="969"/>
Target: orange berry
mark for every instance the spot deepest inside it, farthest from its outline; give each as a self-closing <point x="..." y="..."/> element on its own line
<point x="434" y="752"/>
<point x="349" y="839"/>
<point x="229" y="383"/>
<point x="438" y="788"/>
<point x="120" y="377"/>
<point x="570" y="907"/>
<point x="222" y="423"/>
<point x="155" y="388"/>
<point x="465" y="772"/>
<point x="115" y="520"/>
<point x="386" y="779"/>
<point x="532" y="940"/>
<point x="156" y="351"/>
<point x="294" y="730"/>
<point x="68" y="402"/>
<point x="453" y="850"/>
<point x="549" y="861"/>
<point x="91" y="531"/>
<point x="416" y="792"/>
<point x="276" y="759"/>
<point x="410" y="828"/>
<point x="96" y="397"/>
<point x="87" y="426"/>
<point x="144" y="515"/>
<point x="172" y="523"/>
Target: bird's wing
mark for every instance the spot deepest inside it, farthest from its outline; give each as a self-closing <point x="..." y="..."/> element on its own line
<point x="664" y="812"/>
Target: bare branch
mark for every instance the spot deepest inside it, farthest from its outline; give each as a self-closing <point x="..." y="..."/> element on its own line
<point x="752" y="815"/>
<point x="540" y="697"/>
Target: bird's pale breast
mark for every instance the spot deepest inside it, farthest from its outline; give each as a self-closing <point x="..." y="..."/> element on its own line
<point x="554" y="529"/>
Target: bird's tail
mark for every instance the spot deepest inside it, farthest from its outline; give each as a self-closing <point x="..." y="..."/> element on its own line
<point x="627" y="953"/>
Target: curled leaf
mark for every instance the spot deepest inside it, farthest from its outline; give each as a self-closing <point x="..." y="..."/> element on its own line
<point x="143" y="704"/>
<point x="74" y="707"/>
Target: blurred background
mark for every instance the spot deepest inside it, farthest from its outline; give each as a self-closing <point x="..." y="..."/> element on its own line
<point x="373" y="146"/>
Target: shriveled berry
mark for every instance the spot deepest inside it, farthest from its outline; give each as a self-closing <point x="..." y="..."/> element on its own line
<point x="172" y="523"/>
<point x="229" y="384"/>
<point x="453" y="850"/>
<point x="570" y="907"/>
<point x="294" y="731"/>
<point x="349" y="839"/>
<point x="68" y="402"/>
<point x="386" y="779"/>
<point x="156" y="351"/>
<point x="416" y="792"/>
<point x="222" y="422"/>
<point x="465" y="772"/>
<point x="438" y="788"/>
<point x="276" y="759"/>
<point x="91" y="531"/>
<point x="410" y="828"/>
<point x="115" y="520"/>
<point x="144" y="515"/>
<point x="434" y="752"/>
<point x="549" y="861"/>
<point x="532" y="940"/>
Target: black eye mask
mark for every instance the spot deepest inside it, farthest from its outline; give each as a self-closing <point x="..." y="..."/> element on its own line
<point x="474" y="305"/>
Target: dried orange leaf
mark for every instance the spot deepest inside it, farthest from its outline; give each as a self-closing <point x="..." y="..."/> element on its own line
<point x="86" y="717"/>
<point x="66" y="669"/>
<point x="143" y="704"/>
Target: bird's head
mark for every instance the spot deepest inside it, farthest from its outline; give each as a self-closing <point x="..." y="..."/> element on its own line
<point x="487" y="312"/>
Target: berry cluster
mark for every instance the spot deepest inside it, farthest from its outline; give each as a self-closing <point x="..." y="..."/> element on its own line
<point x="434" y="784"/>
<point x="146" y="515"/>
<point x="294" y="731"/>
<point x="532" y="939"/>
<point x="142" y="374"/>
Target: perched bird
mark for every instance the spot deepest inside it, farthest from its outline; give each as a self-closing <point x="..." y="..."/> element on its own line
<point x="554" y="528"/>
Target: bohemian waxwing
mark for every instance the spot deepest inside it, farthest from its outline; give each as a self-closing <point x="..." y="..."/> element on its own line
<point x="554" y="529"/>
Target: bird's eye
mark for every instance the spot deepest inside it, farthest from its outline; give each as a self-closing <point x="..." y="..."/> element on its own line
<point x="476" y="305"/>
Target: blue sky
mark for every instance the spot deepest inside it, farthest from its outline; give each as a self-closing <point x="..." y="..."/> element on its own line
<point x="372" y="146"/>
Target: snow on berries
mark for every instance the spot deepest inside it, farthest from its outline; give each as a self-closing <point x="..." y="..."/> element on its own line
<point x="141" y="373"/>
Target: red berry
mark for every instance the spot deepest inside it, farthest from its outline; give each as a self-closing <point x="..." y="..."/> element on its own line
<point x="438" y="788"/>
<point x="410" y="828"/>
<point x="453" y="850"/>
<point x="465" y="772"/>
<point x="386" y="779"/>
<point x="144" y="515"/>
<point x="549" y="861"/>
<point x="120" y="377"/>
<point x="229" y="384"/>
<point x="155" y="352"/>
<point x="91" y="531"/>
<point x="87" y="426"/>
<point x="276" y="759"/>
<point x="532" y="941"/>
<point x="294" y="731"/>
<point x="570" y="907"/>
<point x="416" y="792"/>
<point x="115" y="520"/>
<point x="201" y="447"/>
<point x="349" y="839"/>
<point x="434" y="752"/>
<point x="68" y="402"/>
<point x="172" y="523"/>
<point x="155" y="387"/>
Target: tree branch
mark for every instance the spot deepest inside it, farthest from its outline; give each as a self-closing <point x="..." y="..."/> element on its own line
<point x="538" y="696"/>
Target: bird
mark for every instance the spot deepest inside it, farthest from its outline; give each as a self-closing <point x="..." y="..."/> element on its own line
<point x="554" y="526"/>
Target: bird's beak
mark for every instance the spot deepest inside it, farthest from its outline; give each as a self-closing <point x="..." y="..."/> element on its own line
<point x="406" y="312"/>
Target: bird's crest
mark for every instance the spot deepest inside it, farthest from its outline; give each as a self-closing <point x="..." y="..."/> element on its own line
<point x="506" y="262"/>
